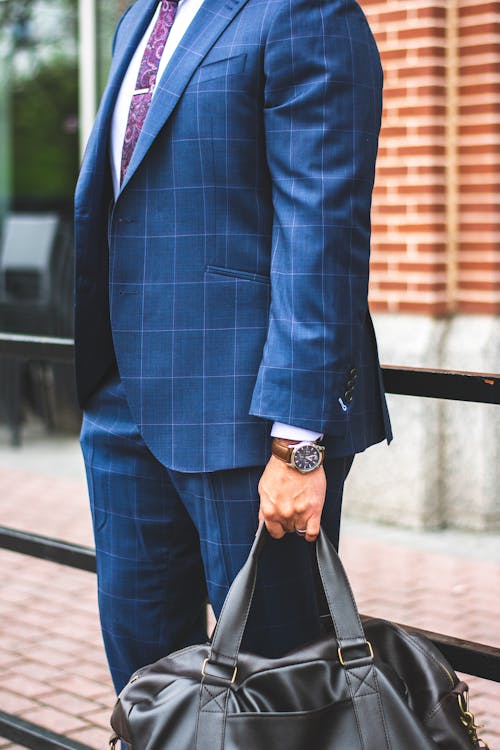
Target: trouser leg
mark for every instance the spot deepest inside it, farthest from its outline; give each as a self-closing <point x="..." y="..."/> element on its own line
<point x="163" y="538"/>
<point x="151" y="585"/>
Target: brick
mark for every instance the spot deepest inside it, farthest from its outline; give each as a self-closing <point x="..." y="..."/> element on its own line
<point x="437" y="129"/>
<point x="431" y="287"/>
<point x="385" y="247"/>
<point x="432" y="12"/>
<point x="417" y="150"/>
<point x="70" y="703"/>
<point x="91" y="670"/>
<point x="94" y="737"/>
<point x="37" y="670"/>
<point x="476" y="284"/>
<point x="423" y="227"/>
<point x="393" y="54"/>
<point x="428" y="268"/>
<point x="391" y="208"/>
<point x="376" y="267"/>
<point x="432" y="208"/>
<point x="438" y="52"/>
<point x="478" y="168"/>
<point x="393" y="16"/>
<point x="477" y="9"/>
<point x="393" y="285"/>
<point x="480" y="69"/>
<point x="470" y="267"/>
<point x="475" y="89"/>
<point x="384" y="171"/>
<point x="100" y="718"/>
<point x="429" y="33"/>
<point x="50" y="658"/>
<point x="428" y="109"/>
<point x="394" y="131"/>
<point x="478" y="307"/>
<point x="429" y="308"/>
<point x="474" y="226"/>
<point x="425" y="71"/>
<point x="13" y="703"/>
<point x="57" y="721"/>
<point x="400" y="92"/>
<point x="24" y="685"/>
<point x="78" y="685"/>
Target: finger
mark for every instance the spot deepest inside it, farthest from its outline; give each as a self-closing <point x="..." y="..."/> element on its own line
<point x="313" y="527"/>
<point x="275" y="529"/>
<point x="300" y="522"/>
<point x="270" y="515"/>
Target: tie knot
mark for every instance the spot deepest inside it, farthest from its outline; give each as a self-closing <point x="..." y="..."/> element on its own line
<point x="146" y="79"/>
<point x="168" y="9"/>
<point x="168" y="5"/>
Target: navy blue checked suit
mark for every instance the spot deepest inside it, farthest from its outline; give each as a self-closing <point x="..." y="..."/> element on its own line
<point x="228" y="280"/>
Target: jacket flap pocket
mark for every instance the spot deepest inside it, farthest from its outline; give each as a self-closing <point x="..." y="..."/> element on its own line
<point x="228" y="66"/>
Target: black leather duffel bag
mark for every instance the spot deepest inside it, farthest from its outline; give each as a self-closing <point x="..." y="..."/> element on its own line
<point x="371" y="688"/>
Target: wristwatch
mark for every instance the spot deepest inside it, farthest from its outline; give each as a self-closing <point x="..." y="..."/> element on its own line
<point x="304" y="456"/>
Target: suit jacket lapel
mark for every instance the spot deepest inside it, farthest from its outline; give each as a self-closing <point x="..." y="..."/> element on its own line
<point x="204" y="30"/>
<point x="133" y="28"/>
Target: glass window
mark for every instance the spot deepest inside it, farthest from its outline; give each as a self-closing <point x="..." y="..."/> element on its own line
<point x="38" y="104"/>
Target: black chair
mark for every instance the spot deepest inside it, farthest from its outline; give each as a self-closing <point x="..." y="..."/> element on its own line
<point x="36" y="282"/>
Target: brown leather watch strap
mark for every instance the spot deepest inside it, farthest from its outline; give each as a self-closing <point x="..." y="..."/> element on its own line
<point x="280" y="447"/>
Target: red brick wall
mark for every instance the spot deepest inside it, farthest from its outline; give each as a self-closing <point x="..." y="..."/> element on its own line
<point x="436" y="223"/>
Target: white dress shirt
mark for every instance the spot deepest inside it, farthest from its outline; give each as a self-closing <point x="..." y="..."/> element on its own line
<point x="186" y="11"/>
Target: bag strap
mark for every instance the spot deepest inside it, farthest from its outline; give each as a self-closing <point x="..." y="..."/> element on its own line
<point x="232" y="621"/>
<point x="355" y="653"/>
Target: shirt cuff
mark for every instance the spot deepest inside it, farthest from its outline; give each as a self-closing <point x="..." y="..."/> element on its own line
<point x="288" y="432"/>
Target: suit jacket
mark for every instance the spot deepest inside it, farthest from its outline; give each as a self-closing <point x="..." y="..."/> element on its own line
<point x="230" y="276"/>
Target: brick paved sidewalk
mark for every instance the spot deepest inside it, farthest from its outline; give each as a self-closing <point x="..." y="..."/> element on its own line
<point x="51" y="656"/>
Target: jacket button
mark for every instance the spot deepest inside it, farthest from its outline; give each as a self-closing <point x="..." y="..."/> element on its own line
<point x="348" y="396"/>
<point x="353" y="373"/>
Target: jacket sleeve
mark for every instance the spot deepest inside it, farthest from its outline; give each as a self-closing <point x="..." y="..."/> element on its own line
<point x="322" y="111"/>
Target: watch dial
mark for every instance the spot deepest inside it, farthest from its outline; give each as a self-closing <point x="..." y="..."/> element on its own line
<point x="307" y="458"/>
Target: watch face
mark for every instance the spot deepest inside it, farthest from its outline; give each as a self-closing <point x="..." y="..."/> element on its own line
<point x="306" y="457"/>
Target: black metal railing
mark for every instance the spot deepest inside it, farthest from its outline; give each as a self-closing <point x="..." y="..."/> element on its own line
<point x="466" y="656"/>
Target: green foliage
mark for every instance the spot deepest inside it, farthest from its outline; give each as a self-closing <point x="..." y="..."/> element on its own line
<point x="45" y="138"/>
<point x="14" y="10"/>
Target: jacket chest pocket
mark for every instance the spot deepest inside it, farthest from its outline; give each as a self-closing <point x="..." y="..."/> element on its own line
<point x="221" y="100"/>
<point x="223" y="68"/>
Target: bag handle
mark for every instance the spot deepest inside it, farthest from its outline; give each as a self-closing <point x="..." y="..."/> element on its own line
<point x="354" y="650"/>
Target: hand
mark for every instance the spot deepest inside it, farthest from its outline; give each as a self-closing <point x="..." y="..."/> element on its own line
<point x="290" y="500"/>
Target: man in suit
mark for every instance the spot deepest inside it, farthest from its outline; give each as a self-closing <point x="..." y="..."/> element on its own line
<point x="222" y="328"/>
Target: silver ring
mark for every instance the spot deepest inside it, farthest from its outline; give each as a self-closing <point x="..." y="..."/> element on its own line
<point x="301" y="532"/>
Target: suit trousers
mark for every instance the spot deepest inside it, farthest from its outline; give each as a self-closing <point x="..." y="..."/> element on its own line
<point x="166" y="542"/>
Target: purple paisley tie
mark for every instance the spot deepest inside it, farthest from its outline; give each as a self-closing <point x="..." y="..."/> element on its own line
<point x="146" y="80"/>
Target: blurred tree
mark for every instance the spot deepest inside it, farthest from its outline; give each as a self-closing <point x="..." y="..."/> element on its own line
<point x="12" y="11"/>
<point x="45" y="138"/>
<point x="41" y="37"/>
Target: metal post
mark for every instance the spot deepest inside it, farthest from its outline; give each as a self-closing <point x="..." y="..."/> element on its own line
<point x="87" y="55"/>
<point x="6" y="55"/>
